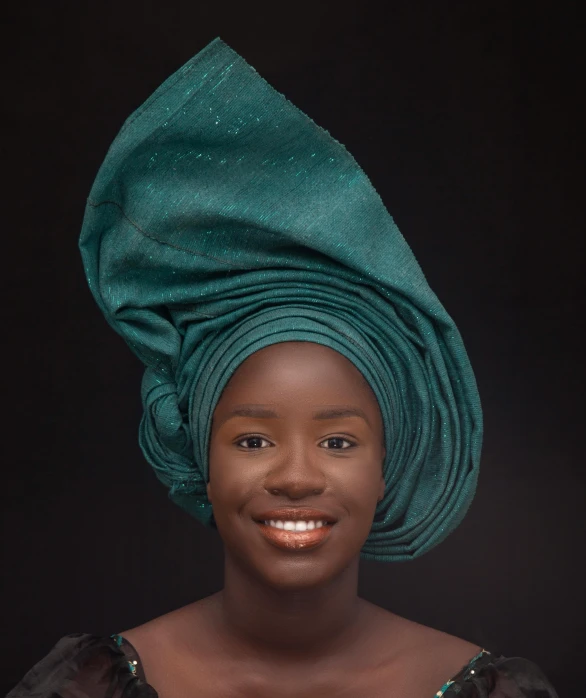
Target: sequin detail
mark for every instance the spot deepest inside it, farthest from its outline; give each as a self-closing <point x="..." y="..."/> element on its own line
<point x="131" y="664"/>
<point x="467" y="672"/>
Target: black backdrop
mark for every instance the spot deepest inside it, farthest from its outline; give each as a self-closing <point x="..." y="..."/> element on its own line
<point x="466" y="119"/>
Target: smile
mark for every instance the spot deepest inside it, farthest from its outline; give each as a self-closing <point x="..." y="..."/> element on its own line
<point x="296" y="525"/>
<point x="295" y="535"/>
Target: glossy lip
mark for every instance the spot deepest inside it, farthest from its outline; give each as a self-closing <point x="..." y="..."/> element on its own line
<point x="295" y="540"/>
<point x="295" y="514"/>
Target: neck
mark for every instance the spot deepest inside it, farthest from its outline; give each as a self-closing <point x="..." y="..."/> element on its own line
<point x="288" y="623"/>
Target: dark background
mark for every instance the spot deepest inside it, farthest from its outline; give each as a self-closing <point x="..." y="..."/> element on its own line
<point x="466" y="118"/>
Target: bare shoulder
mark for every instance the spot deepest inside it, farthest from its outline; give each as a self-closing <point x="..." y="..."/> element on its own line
<point x="424" y="638"/>
<point x="162" y="640"/>
<point x="420" y="655"/>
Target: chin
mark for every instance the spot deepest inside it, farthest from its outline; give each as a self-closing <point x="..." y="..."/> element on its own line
<point x="297" y="576"/>
<point x="290" y="572"/>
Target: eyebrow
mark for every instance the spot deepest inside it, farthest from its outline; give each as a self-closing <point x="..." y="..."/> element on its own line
<point x="264" y="412"/>
<point x="341" y="413"/>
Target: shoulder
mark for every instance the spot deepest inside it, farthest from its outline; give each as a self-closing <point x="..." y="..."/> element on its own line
<point x="162" y="643"/>
<point x="416" y="657"/>
<point x="166" y="630"/>
<point x="406" y="638"/>
<point x="79" y="664"/>
<point x="449" y="663"/>
<point x="437" y="663"/>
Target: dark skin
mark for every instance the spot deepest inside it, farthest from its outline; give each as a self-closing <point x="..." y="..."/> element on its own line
<point x="297" y="425"/>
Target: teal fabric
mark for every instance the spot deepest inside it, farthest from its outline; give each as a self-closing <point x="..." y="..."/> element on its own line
<point x="224" y="220"/>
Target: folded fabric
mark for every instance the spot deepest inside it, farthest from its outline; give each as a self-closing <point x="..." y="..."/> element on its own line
<point x="223" y="220"/>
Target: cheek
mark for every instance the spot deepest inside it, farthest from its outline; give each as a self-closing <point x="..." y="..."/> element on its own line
<point x="231" y="483"/>
<point x="362" y="494"/>
<point x="358" y="484"/>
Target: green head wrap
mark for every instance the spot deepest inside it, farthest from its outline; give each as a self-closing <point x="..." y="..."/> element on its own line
<point x="223" y="220"/>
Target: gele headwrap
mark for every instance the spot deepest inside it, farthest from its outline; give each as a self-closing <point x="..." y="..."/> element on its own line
<point x="223" y="220"/>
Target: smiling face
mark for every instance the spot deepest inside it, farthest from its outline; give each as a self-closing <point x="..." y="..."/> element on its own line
<point x="296" y="434"/>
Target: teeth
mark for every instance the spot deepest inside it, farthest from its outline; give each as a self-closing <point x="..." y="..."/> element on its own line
<point x="296" y="525"/>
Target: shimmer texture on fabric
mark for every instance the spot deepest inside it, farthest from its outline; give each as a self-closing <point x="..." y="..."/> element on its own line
<point x="223" y="220"/>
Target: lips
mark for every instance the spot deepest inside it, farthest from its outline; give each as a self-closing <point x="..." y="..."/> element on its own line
<point x="295" y="540"/>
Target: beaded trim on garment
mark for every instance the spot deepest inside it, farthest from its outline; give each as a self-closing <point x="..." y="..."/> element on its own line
<point x="470" y="670"/>
<point x="132" y="665"/>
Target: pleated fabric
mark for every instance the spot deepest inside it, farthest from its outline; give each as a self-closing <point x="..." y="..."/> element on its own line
<point x="223" y="220"/>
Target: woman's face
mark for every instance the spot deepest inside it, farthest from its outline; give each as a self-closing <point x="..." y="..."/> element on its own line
<point x="297" y="438"/>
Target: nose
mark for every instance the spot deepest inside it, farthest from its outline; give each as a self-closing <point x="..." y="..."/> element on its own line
<point x="295" y="476"/>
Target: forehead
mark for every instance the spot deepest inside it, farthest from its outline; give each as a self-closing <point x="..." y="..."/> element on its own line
<point x="304" y="369"/>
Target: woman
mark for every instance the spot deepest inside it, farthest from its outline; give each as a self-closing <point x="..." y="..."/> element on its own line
<point x="305" y="392"/>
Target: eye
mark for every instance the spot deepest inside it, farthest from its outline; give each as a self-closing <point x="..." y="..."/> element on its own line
<point x="253" y="443"/>
<point x="337" y="443"/>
